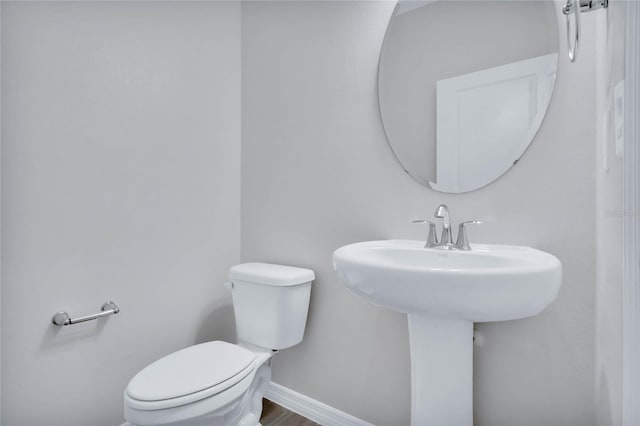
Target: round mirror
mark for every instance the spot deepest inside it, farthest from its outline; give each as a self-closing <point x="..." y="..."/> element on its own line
<point x="463" y="86"/>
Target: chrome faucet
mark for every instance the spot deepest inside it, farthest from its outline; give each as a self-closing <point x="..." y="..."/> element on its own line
<point x="442" y="212"/>
<point x="446" y="241"/>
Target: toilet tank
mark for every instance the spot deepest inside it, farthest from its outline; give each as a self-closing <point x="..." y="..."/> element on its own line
<point x="270" y="303"/>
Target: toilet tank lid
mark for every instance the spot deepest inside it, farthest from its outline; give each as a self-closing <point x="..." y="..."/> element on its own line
<point x="271" y="274"/>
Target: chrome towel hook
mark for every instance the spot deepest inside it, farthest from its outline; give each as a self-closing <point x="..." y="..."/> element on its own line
<point x="576" y="7"/>
<point x="63" y="318"/>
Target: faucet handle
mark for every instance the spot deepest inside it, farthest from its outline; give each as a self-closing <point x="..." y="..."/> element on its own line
<point x="462" y="242"/>
<point x="432" y="239"/>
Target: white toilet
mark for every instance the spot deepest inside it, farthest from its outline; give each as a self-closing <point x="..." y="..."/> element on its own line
<point x="219" y="383"/>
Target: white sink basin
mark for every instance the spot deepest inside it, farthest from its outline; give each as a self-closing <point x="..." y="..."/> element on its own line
<point x="488" y="283"/>
<point x="444" y="292"/>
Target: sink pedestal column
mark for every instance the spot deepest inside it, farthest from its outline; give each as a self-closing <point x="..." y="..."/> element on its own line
<point x="441" y="371"/>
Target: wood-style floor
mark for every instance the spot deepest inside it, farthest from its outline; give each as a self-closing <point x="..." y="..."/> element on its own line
<point x="275" y="415"/>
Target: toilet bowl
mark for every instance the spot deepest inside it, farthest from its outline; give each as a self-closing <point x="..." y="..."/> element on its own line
<point x="220" y="383"/>
<point x="207" y="384"/>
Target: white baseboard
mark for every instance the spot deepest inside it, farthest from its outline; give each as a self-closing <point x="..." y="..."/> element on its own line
<point x="310" y="408"/>
<point x="307" y="407"/>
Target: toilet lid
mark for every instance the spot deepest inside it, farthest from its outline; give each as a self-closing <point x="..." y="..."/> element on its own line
<point x="190" y="370"/>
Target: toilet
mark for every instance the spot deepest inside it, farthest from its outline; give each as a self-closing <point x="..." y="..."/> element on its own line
<point x="219" y="383"/>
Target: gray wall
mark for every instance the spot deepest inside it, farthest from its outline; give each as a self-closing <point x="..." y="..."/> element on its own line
<point x="120" y="180"/>
<point x="609" y="219"/>
<point x="317" y="174"/>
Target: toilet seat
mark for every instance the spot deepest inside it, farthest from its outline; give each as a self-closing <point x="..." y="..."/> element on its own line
<point x="190" y="375"/>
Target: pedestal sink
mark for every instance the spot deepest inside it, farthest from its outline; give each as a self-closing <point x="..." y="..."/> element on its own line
<point x="443" y="292"/>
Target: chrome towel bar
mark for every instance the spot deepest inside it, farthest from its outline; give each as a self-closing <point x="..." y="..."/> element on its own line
<point x="63" y="318"/>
